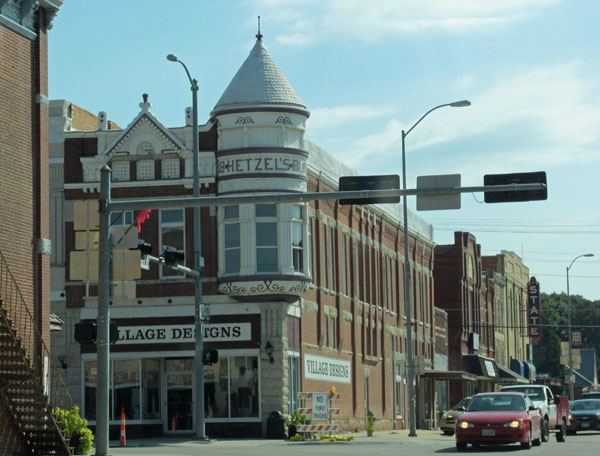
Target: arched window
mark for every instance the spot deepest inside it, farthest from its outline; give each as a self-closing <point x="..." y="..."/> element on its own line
<point x="145" y="148"/>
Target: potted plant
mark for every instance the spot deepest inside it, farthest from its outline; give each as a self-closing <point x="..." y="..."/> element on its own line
<point x="75" y="428"/>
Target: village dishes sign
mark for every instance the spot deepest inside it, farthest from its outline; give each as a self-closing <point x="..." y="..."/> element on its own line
<point x="169" y="334"/>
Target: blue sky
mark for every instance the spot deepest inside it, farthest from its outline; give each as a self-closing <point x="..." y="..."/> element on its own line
<point x="366" y="70"/>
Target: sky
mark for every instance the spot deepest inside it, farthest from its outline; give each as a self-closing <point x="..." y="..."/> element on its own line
<point x="368" y="70"/>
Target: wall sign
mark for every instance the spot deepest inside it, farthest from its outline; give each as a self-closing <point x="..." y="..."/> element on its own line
<point x="167" y="334"/>
<point x="326" y="369"/>
<point x="533" y="311"/>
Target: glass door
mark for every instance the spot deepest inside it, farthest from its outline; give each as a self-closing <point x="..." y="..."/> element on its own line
<point x="180" y="398"/>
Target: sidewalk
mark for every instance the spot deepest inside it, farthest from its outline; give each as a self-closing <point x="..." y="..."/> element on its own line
<point x="359" y="438"/>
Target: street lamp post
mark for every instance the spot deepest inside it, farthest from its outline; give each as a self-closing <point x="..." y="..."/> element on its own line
<point x="407" y="303"/>
<point x="199" y="419"/>
<point x="571" y="377"/>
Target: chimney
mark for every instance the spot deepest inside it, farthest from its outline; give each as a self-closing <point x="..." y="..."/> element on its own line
<point x="102" y="121"/>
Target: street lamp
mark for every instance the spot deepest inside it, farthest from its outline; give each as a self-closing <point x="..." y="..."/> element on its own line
<point x="572" y="378"/>
<point x="199" y="425"/>
<point x="407" y="304"/>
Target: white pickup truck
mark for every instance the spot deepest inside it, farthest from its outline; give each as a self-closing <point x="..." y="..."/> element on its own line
<point x="554" y="409"/>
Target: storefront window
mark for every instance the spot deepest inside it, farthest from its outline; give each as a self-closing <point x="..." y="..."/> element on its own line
<point x="222" y="388"/>
<point x="151" y="389"/>
<point x="127" y="389"/>
<point x="244" y="386"/>
<point x="293" y="383"/>
<point x="398" y="390"/>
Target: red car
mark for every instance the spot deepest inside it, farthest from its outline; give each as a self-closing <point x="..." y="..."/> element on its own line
<point x="499" y="418"/>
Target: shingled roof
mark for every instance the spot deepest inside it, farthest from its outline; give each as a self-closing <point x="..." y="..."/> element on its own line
<point x="259" y="83"/>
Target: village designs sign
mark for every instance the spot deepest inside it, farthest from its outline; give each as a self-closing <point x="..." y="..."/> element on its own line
<point x="327" y="369"/>
<point x="168" y="334"/>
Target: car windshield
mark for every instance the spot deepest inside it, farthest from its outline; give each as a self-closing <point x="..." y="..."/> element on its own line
<point x="496" y="402"/>
<point x="535" y="394"/>
<point x="586" y="404"/>
<point x="462" y="403"/>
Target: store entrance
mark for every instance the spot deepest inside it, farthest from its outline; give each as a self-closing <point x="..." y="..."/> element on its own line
<point x="180" y="399"/>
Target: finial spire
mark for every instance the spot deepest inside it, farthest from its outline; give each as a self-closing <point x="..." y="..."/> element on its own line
<point x="259" y="35"/>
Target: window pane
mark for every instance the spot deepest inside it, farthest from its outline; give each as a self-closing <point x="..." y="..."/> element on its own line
<point x="170" y="169"/>
<point x="232" y="212"/>
<point x="145" y="169"/>
<point x="266" y="259"/>
<point x="266" y="234"/>
<point x="232" y="261"/>
<point x="121" y="218"/>
<point x="298" y="259"/>
<point x="172" y="237"/>
<point x="232" y="235"/>
<point x="297" y="235"/>
<point x="91" y="379"/>
<point x="150" y="389"/>
<point x="222" y="389"/>
<point x="127" y="389"/>
<point x="297" y="212"/>
<point x="171" y="216"/>
<point x="244" y="386"/>
<point x="266" y="210"/>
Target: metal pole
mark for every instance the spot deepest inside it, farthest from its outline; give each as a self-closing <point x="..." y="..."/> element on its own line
<point x="571" y="379"/>
<point x="571" y="371"/>
<point x="408" y="306"/>
<point x="199" y="418"/>
<point x="200" y="429"/>
<point x="103" y="320"/>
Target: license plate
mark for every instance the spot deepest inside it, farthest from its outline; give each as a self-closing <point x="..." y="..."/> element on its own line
<point x="488" y="432"/>
<point x="585" y="425"/>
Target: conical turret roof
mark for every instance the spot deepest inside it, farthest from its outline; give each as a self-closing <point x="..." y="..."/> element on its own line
<point x="259" y="83"/>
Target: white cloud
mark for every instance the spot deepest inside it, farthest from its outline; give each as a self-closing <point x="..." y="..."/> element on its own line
<point x="310" y="21"/>
<point x="544" y="115"/>
<point x="325" y="118"/>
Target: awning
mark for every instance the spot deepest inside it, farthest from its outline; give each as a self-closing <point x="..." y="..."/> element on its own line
<point x="448" y="375"/>
<point x="509" y="376"/>
<point x="484" y="368"/>
<point x="56" y="324"/>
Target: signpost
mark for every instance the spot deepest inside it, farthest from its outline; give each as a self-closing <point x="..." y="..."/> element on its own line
<point x="533" y="311"/>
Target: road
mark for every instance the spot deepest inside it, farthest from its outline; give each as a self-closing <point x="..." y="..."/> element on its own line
<point x="583" y="444"/>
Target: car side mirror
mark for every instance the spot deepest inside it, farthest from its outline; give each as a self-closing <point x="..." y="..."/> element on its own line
<point x="532" y="408"/>
<point x="461" y="408"/>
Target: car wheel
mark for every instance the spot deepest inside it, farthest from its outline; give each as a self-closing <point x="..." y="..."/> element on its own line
<point x="561" y="435"/>
<point x="527" y="445"/>
<point x="545" y="430"/>
<point x="461" y="446"/>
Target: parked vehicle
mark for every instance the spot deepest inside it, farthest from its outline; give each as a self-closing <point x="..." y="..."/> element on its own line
<point x="450" y="417"/>
<point x="554" y="409"/>
<point x="586" y="415"/>
<point x="499" y="418"/>
<point x="591" y="395"/>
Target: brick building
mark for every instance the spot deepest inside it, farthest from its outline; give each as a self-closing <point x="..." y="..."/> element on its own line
<point x="318" y="282"/>
<point x="458" y="290"/>
<point x="26" y="370"/>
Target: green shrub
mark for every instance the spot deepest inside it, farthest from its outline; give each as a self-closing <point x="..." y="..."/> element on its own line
<point x="74" y="426"/>
<point x="296" y="419"/>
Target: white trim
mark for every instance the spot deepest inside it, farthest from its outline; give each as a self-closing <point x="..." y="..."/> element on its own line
<point x="151" y="183"/>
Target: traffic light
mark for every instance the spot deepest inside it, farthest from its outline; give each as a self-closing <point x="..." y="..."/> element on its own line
<point x="144" y="248"/>
<point x="173" y="256"/>
<point x="385" y="182"/>
<point x="86" y="332"/>
<point x="517" y="195"/>
<point x="210" y="356"/>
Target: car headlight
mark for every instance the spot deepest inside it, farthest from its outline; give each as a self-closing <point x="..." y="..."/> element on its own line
<point x="514" y="424"/>
<point x="465" y="425"/>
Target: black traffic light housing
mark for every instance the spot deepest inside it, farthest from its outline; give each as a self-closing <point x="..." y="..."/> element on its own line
<point x="384" y="182"/>
<point x="518" y="195"/>
<point x="173" y="256"/>
<point x="210" y="356"/>
<point x="144" y="248"/>
<point x="86" y="332"/>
